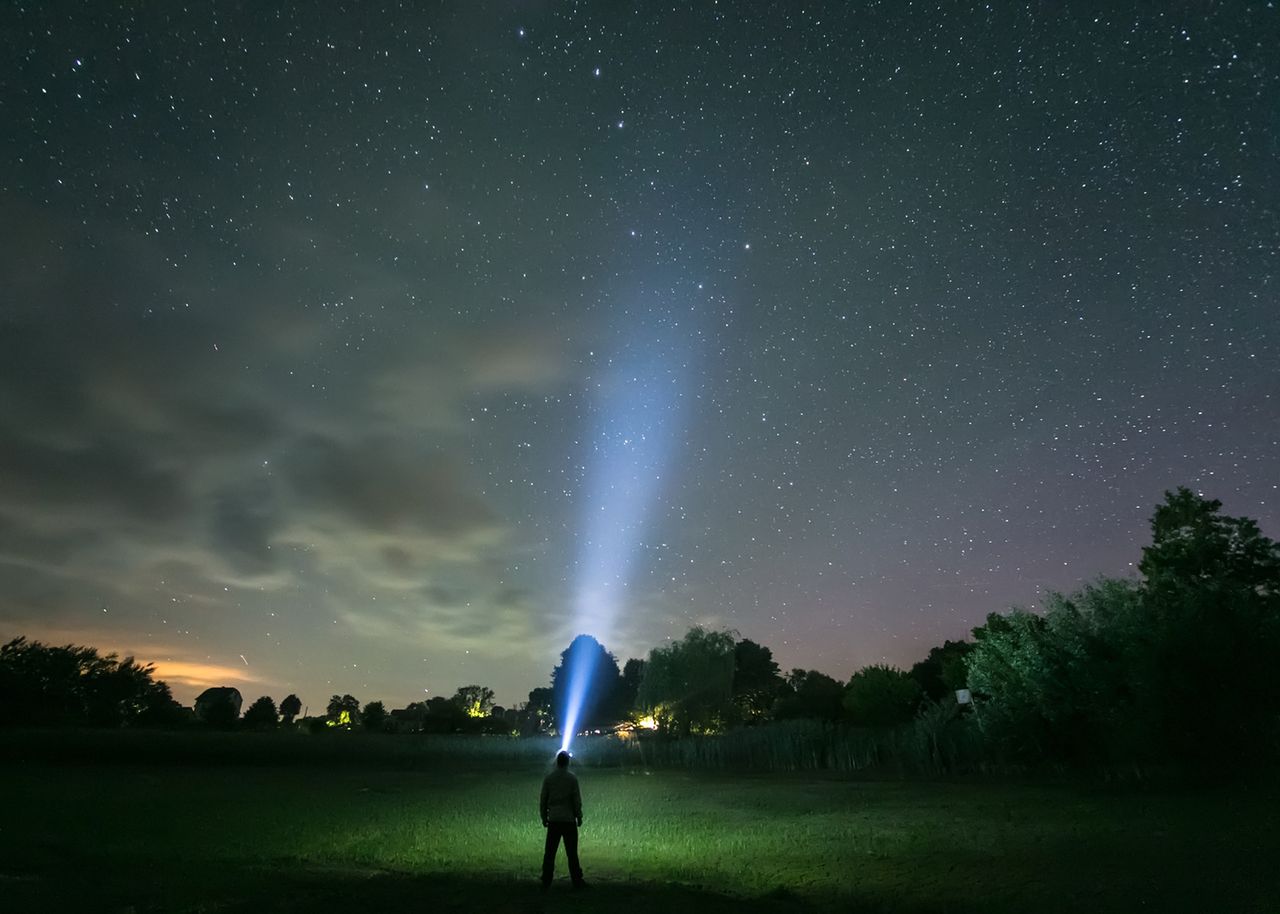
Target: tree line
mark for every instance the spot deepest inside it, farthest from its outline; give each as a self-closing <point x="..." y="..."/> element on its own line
<point x="43" y="685"/>
<point x="1175" y="664"/>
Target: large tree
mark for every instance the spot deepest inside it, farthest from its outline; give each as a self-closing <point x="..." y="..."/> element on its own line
<point x="882" y="696"/>
<point x="1194" y="547"/>
<point x="290" y="708"/>
<point x="374" y="716"/>
<point x="443" y="715"/>
<point x="343" y="711"/>
<point x="261" y="715"/>
<point x="1177" y="666"/>
<point x="586" y="665"/>
<point x="76" y="685"/>
<point x="629" y="685"/>
<point x="540" y="710"/>
<point x="1014" y="670"/>
<point x="942" y="671"/>
<point x="474" y="701"/>
<point x="1212" y="594"/>
<point x="688" y="685"/>
<point x="757" y="681"/>
<point x="810" y="694"/>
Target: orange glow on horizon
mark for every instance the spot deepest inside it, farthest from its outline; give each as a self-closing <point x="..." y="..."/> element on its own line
<point x="194" y="676"/>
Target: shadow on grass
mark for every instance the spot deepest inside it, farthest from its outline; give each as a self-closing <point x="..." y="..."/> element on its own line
<point x="46" y="879"/>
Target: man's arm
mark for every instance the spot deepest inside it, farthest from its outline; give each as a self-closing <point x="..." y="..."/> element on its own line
<point x="542" y="803"/>
<point x="577" y="801"/>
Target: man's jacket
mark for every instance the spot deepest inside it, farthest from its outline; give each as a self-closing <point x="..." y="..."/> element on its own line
<point x="561" y="801"/>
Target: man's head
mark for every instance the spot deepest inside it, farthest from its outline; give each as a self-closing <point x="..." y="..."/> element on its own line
<point x="562" y="758"/>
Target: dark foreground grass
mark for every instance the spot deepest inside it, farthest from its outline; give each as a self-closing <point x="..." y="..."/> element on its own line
<point x="233" y="839"/>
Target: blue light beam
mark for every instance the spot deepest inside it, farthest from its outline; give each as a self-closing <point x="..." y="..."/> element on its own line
<point x="638" y="406"/>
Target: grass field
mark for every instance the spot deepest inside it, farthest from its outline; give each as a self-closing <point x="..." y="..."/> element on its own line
<point x="231" y="838"/>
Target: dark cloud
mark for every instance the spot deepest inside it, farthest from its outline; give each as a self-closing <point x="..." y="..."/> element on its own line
<point x="512" y="597"/>
<point x="244" y="522"/>
<point x="230" y="427"/>
<point x="439" y="595"/>
<point x="385" y="486"/>
<point x="83" y="485"/>
<point x="42" y="391"/>
<point x="20" y="539"/>
<point x="166" y="445"/>
<point x="424" y="385"/>
<point x="39" y="595"/>
<point x="397" y="558"/>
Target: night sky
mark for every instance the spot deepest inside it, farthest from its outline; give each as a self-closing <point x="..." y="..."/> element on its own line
<point x="383" y="349"/>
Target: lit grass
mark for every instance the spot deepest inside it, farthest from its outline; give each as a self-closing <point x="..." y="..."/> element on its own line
<point x="243" y="838"/>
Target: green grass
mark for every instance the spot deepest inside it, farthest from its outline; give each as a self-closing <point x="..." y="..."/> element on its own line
<point x="221" y="838"/>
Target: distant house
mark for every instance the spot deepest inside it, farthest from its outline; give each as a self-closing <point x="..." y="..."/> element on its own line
<point x="211" y="704"/>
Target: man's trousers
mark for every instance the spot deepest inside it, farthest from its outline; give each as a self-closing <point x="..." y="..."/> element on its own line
<point x="569" y="832"/>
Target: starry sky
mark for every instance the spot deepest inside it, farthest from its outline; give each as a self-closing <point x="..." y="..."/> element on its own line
<point x="382" y="349"/>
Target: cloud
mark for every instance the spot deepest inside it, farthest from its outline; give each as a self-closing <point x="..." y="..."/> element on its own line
<point x="193" y="676"/>
<point x="480" y="623"/>
<point x="382" y="511"/>
<point x="73" y="483"/>
<point x="243" y="522"/>
<point x="53" y="548"/>
<point x="426" y="386"/>
<point x="384" y="486"/>
<point x="207" y="453"/>
<point x="186" y="672"/>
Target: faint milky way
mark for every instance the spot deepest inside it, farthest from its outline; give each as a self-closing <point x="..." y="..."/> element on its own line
<point x="306" y="316"/>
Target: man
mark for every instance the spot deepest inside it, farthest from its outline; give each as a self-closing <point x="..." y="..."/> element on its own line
<point x="561" y="810"/>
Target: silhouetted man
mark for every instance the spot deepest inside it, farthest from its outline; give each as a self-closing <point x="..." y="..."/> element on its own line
<point x="561" y="810"/>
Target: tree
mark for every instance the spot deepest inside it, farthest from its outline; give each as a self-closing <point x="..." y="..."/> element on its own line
<point x="261" y="715"/>
<point x="540" y="710"/>
<point x="343" y="711"/>
<point x="688" y="685"/>
<point x="162" y="710"/>
<point x="443" y="715"/>
<point x="374" y="715"/>
<point x="46" y="685"/>
<point x="1212" y="595"/>
<point x="473" y="700"/>
<point x="1008" y="670"/>
<point x="590" y="670"/>
<point x="629" y="685"/>
<point x="42" y="684"/>
<point x="1065" y="685"/>
<point x="410" y="718"/>
<point x="1193" y="546"/>
<point x="810" y="694"/>
<point x="942" y="672"/>
<point x="1176" y="667"/>
<point x="882" y="696"/>
<point x="290" y="708"/>
<point x="756" y="679"/>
